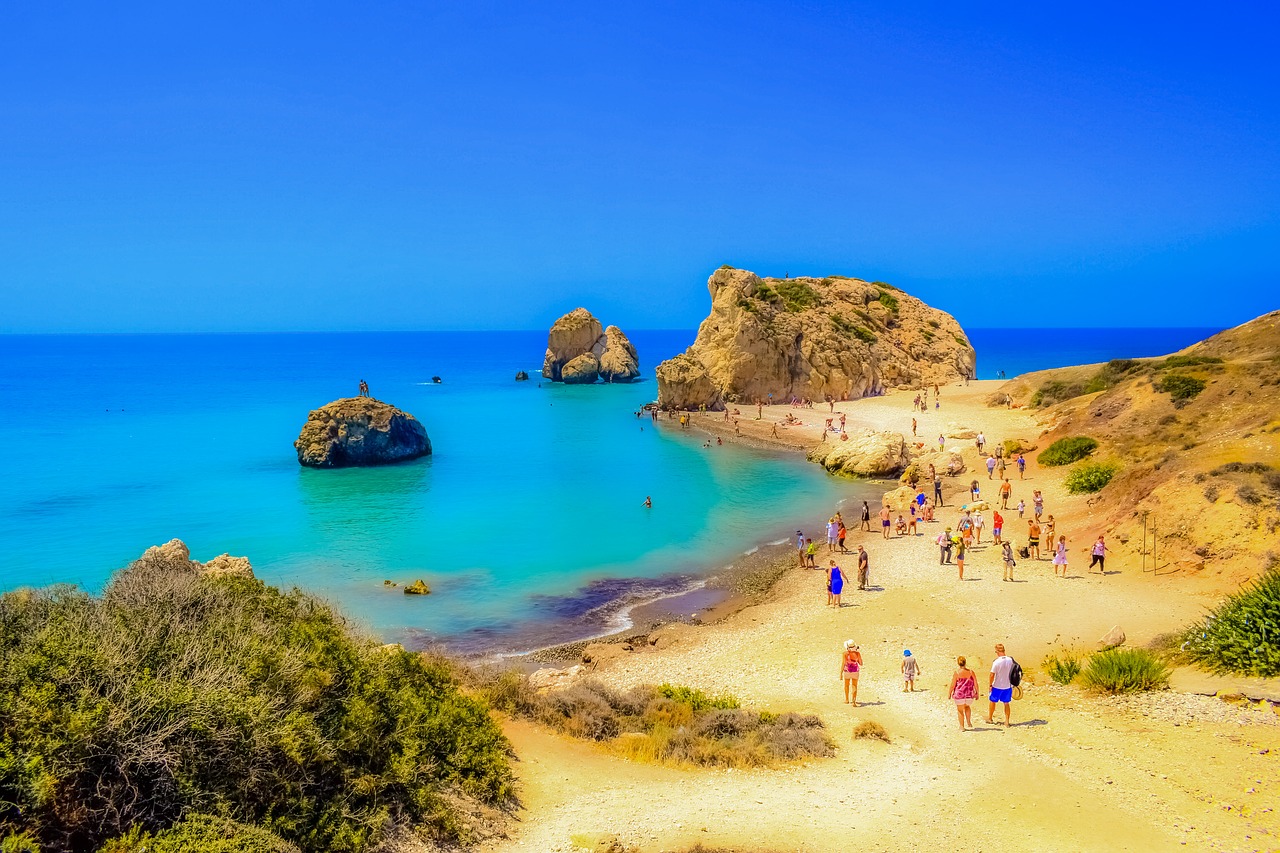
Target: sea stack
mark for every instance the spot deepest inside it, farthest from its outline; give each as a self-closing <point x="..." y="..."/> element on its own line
<point x="580" y="351"/>
<point x="813" y="338"/>
<point x="360" y="431"/>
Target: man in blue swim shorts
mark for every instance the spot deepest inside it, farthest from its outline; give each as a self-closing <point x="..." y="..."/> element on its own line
<point x="999" y="687"/>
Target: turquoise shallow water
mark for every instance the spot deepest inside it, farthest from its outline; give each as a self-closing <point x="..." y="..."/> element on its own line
<point x="527" y="521"/>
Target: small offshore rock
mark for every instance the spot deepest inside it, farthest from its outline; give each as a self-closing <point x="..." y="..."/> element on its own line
<point x="522" y="376"/>
<point x="225" y="564"/>
<point x="360" y="431"/>
<point x="417" y="588"/>
<point x="390" y="583"/>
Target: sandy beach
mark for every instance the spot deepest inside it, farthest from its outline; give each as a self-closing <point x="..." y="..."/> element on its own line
<point x="1075" y="772"/>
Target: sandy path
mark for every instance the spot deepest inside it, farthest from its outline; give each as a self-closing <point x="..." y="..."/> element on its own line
<point x="1074" y="773"/>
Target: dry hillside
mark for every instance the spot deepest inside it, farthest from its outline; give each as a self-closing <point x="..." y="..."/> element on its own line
<point x="1197" y="436"/>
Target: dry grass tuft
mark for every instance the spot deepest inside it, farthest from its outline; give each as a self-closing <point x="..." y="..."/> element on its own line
<point x="870" y="730"/>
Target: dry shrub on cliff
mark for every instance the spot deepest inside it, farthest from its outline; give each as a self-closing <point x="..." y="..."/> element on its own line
<point x="669" y="723"/>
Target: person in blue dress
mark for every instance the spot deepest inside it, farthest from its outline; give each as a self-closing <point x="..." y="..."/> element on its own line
<point x="835" y="584"/>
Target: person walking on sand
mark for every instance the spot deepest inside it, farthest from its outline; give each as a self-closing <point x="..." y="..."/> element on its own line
<point x="981" y="442"/>
<point x="885" y="515"/>
<point x="800" y="546"/>
<point x="1007" y="553"/>
<point x="1022" y="466"/>
<point x="991" y="467"/>
<point x="840" y="536"/>
<point x="978" y="524"/>
<point x="963" y="690"/>
<point x="1037" y="503"/>
<point x="942" y="442"/>
<point x="866" y="516"/>
<point x="1060" y="556"/>
<point x="944" y="547"/>
<point x="911" y="523"/>
<point x="999" y="688"/>
<point x="961" y="547"/>
<point x="997" y="526"/>
<point x="1006" y="489"/>
<point x="1033" y="539"/>
<point x="1022" y="507"/>
<point x="910" y="669"/>
<point x="835" y="584"/>
<point x="1099" y="552"/>
<point x="864" y="568"/>
<point x="913" y="427"/>
<point x="811" y="553"/>
<point x="937" y="490"/>
<point x="833" y="531"/>
<point x="1049" y="528"/>
<point x="850" y="667"/>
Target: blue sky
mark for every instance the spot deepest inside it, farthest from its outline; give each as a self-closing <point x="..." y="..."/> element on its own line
<point x="416" y="166"/>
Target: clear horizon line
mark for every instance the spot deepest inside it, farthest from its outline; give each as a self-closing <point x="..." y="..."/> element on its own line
<point x="12" y="334"/>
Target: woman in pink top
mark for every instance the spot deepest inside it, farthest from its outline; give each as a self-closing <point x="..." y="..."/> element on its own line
<point x="850" y="668"/>
<point x="963" y="690"/>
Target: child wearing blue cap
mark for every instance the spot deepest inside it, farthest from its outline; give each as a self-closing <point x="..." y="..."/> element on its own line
<point x="910" y="669"/>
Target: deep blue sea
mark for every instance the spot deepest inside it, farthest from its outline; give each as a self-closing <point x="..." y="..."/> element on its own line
<point x="527" y="521"/>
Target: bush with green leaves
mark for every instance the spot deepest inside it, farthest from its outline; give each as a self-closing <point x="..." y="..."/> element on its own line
<point x="1089" y="477"/>
<point x="1180" y="387"/>
<point x="174" y="693"/>
<point x="1242" y="634"/>
<point x="1125" y="671"/>
<point x="201" y="833"/>
<point x="1064" y="451"/>
<point x="1062" y="669"/>
<point x="796" y="295"/>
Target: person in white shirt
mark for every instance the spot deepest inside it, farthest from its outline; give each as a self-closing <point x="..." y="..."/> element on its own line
<point x="999" y="687"/>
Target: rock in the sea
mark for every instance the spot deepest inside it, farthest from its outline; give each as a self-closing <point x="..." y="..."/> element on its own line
<point x="417" y="588"/>
<point x="175" y="553"/>
<point x="358" y="431"/>
<point x="618" y="362"/>
<point x="579" y="351"/>
<point x="522" y="376"/>
<point x="582" y="370"/>
<point x="872" y="454"/>
<point x="834" y="337"/>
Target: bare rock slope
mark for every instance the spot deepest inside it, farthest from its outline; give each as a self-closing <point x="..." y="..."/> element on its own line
<point x="813" y="338"/>
<point x="580" y="351"/>
<point x="359" y="431"/>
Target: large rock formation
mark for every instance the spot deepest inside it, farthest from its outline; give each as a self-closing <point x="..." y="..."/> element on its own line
<point x="359" y="431"/>
<point x="811" y="338"/>
<point x="175" y="553"/>
<point x="874" y="454"/>
<point x="580" y="352"/>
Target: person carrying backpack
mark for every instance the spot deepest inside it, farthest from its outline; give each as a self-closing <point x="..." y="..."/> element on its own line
<point x="1005" y="675"/>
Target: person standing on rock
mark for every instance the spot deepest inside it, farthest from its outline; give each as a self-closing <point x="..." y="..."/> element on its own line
<point x="850" y="668"/>
<point x="999" y="688"/>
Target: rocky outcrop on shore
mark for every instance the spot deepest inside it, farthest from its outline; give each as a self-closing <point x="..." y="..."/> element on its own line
<point x="360" y="431"/>
<point x="580" y="351"/>
<point x="873" y="454"/>
<point x="814" y="338"/>
<point x="176" y="552"/>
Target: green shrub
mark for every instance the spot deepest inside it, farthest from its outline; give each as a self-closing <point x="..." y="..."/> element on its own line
<point x="22" y="842"/>
<point x="1064" y="451"/>
<point x="175" y="693"/>
<point x="695" y="698"/>
<point x="864" y="335"/>
<point x="797" y="295"/>
<point x="841" y="324"/>
<point x="884" y="285"/>
<point x="1090" y="477"/>
<point x="1111" y="373"/>
<point x="1188" y="361"/>
<point x="934" y="323"/>
<point x="1062" y="669"/>
<point x="1242" y="634"/>
<point x="1125" y="671"/>
<point x="888" y="300"/>
<point x="1056" y="391"/>
<point x="199" y="833"/>
<point x="960" y="339"/>
<point x="1180" y="387"/>
<point x="1241" y="468"/>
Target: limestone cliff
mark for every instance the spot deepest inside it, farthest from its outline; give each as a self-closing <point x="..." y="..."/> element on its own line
<point x="358" y="431"/>
<point x="832" y="337"/>
<point x="579" y="351"/>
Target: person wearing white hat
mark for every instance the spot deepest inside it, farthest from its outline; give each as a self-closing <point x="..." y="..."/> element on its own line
<point x="850" y="668"/>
